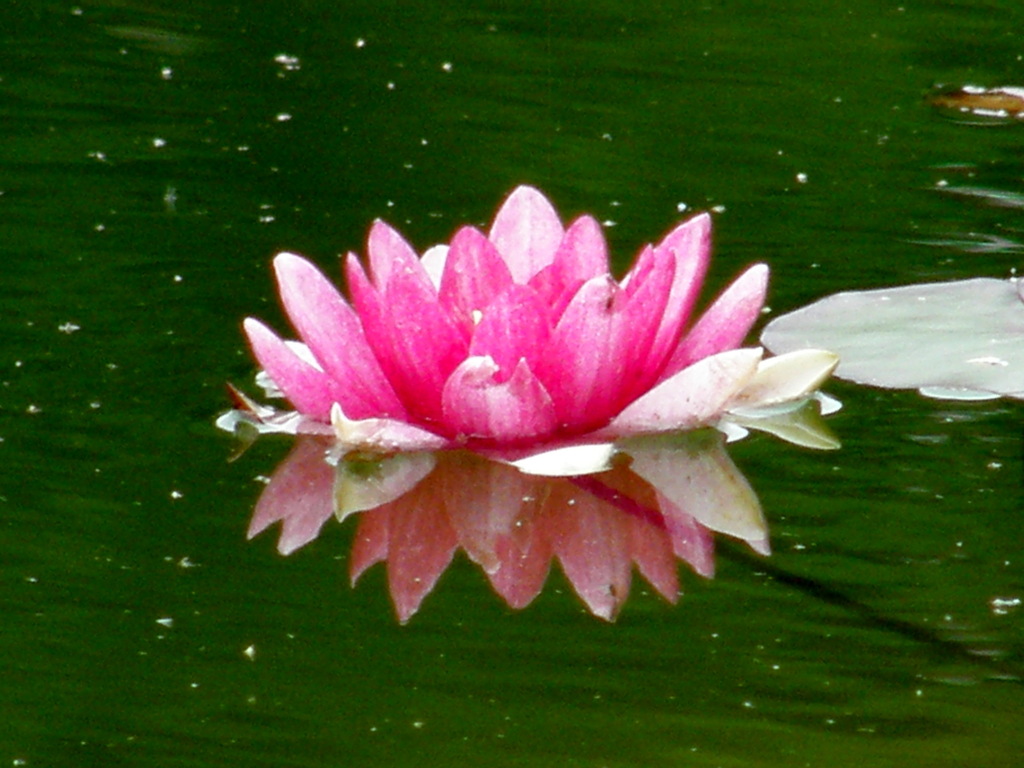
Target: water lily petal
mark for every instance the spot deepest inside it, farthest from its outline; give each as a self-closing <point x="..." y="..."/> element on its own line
<point x="690" y="246"/>
<point x="307" y="387"/>
<point x="477" y="405"/>
<point x="389" y="252"/>
<point x="335" y="336"/>
<point x="380" y="435"/>
<point x="474" y="274"/>
<point x="694" y="397"/>
<point x="433" y="262"/>
<point x="590" y="363"/>
<point x="571" y="460"/>
<point x="416" y="343"/>
<point x="787" y="377"/>
<point x="527" y="232"/>
<point x="515" y="326"/>
<point x="726" y="322"/>
<point x="582" y="255"/>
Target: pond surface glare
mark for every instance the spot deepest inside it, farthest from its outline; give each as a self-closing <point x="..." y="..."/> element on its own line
<point x="156" y="156"/>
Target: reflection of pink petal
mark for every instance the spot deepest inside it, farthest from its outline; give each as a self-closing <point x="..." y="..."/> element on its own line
<point x="651" y="550"/>
<point x="485" y="501"/>
<point x="421" y="544"/>
<point x="524" y="558"/>
<point x="370" y="544"/>
<point x="299" y="494"/>
<point x="591" y="541"/>
<point x="652" y="504"/>
<point x="691" y="541"/>
<point x="649" y="544"/>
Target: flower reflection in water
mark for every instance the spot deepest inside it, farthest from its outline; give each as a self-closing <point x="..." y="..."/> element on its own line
<point x="662" y="500"/>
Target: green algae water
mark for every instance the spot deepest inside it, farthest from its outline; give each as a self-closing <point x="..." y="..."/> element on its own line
<point x="154" y="158"/>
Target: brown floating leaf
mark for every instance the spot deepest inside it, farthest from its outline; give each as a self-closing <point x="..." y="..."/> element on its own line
<point x="1005" y="101"/>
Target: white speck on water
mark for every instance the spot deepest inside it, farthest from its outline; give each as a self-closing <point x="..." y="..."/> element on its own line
<point x="718" y="209"/>
<point x="158" y="142"/>
<point x="68" y="327"/>
<point x="282" y="117"/>
<point x="33" y="410"/>
<point x="1001" y="606"/>
<point x="446" y="66"/>
<point x="167" y="621"/>
<point x="250" y="653"/>
<point x="801" y="178"/>
<point x="681" y="207"/>
<point x="418" y="724"/>
<point x="176" y="494"/>
<point x="391" y="86"/>
<point x="166" y="73"/>
<point x="178" y="278"/>
<point x="186" y="563"/>
<point x="288" y="62"/>
<point x="360" y="43"/>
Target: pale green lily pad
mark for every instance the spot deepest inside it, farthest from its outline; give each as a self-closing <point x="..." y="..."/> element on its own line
<point x="960" y="340"/>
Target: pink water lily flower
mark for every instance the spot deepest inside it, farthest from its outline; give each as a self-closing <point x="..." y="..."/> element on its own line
<point x="517" y="338"/>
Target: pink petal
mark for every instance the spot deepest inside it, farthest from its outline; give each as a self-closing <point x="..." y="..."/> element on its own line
<point x="476" y="405"/>
<point x="726" y="323"/>
<point x="333" y="332"/>
<point x="433" y="261"/>
<point x="598" y="349"/>
<point x="695" y="397"/>
<point x="485" y="501"/>
<point x="389" y="252"/>
<point x="527" y="232"/>
<point x="690" y="245"/>
<point x="582" y="255"/>
<point x="515" y="326"/>
<point x="474" y="274"/>
<point x="417" y="344"/>
<point x="309" y="389"/>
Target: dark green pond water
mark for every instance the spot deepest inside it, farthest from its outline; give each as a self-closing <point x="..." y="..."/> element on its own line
<point x="154" y="156"/>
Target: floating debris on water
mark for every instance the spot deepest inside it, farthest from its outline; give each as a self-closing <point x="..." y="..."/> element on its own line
<point x="999" y="103"/>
